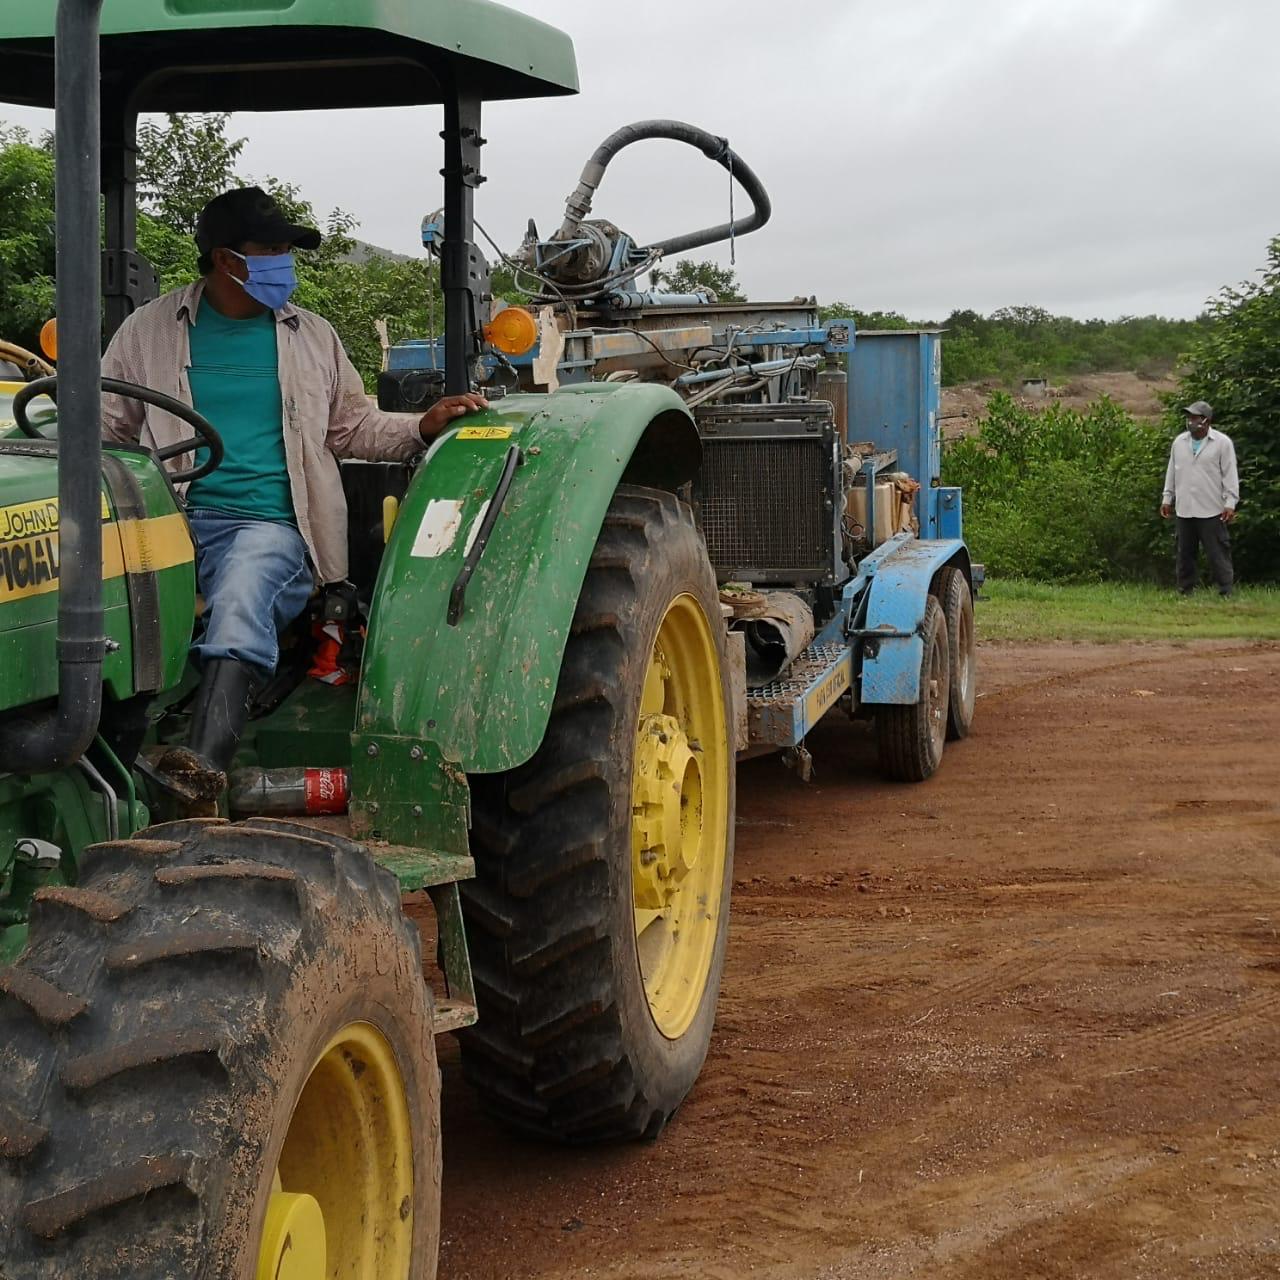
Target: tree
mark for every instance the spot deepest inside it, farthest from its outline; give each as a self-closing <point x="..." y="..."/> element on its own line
<point x="183" y="164"/>
<point x="862" y="319"/>
<point x="688" y="277"/>
<point x="1234" y="364"/>
<point x="1022" y="319"/>
<point x="26" y="235"/>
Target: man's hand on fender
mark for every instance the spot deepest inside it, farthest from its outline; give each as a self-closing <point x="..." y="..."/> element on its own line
<point x="445" y="410"/>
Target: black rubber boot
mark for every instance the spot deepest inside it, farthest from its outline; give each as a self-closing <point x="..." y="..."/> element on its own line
<point x="221" y="710"/>
<point x="198" y="769"/>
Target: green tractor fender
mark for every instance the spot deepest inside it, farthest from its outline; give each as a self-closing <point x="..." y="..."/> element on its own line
<point x="476" y="693"/>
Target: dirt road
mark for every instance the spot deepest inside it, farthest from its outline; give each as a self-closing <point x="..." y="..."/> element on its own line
<point x="1022" y="1021"/>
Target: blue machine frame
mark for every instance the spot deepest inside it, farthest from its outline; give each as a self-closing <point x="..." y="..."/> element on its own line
<point x="872" y="648"/>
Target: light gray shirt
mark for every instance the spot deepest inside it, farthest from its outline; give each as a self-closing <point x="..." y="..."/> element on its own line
<point x="327" y="415"/>
<point x="1202" y="484"/>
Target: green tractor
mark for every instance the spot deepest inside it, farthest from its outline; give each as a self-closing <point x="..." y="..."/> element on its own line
<point x="217" y="1038"/>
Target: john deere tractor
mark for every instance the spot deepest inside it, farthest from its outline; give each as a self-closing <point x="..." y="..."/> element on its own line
<point x="216" y="1039"/>
<point x="217" y="1036"/>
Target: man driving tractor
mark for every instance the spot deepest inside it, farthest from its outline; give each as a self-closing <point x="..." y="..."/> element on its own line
<point x="269" y="522"/>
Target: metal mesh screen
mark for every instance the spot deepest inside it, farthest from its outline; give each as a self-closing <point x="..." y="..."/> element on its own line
<point x="762" y="505"/>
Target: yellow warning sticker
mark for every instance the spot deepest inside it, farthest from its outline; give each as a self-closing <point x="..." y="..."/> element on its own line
<point x="485" y="433"/>
<point x="31" y="519"/>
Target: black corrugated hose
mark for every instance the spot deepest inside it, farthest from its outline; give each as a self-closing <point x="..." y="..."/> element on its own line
<point x="713" y="147"/>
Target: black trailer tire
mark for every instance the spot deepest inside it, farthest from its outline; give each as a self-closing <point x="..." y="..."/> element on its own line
<point x="951" y="587"/>
<point x="912" y="736"/>
<point x="190" y="1040"/>
<point x="568" y="1044"/>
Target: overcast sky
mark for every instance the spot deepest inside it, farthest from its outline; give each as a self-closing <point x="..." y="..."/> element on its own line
<point x="1096" y="157"/>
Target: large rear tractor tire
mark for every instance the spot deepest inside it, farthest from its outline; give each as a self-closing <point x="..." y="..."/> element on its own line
<point x="912" y="736"/>
<point x="216" y="1061"/>
<point x="599" y="912"/>
<point x="951" y="587"/>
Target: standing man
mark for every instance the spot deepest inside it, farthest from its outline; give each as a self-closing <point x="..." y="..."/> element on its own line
<point x="1202" y="486"/>
<point x="271" y="521"/>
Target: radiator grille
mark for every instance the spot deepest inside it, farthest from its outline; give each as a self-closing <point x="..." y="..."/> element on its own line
<point x="764" y="506"/>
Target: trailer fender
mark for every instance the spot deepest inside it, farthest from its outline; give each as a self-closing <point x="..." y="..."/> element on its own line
<point x="896" y="604"/>
<point x="479" y="688"/>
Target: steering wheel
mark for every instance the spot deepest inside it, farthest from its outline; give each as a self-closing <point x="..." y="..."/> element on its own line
<point x="206" y="437"/>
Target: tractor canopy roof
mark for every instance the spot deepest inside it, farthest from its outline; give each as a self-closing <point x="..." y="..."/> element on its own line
<point x="272" y="55"/>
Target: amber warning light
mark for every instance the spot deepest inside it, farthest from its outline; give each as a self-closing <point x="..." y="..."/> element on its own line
<point x="513" y="331"/>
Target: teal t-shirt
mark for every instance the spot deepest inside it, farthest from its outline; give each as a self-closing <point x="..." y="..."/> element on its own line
<point x="235" y="383"/>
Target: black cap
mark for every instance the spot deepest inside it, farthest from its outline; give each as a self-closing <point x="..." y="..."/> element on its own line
<point x="248" y="213"/>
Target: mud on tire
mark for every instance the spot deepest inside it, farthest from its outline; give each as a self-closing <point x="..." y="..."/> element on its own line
<point x="566" y="1046"/>
<point x="159" y="1028"/>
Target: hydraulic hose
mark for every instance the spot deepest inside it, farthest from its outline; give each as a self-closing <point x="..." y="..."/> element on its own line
<point x="714" y="148"/>
<point x="53" y="738"/>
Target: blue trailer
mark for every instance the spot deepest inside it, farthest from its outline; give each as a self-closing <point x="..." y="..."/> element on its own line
<point x="878" y="649"/>
<point x="845" y="578"/>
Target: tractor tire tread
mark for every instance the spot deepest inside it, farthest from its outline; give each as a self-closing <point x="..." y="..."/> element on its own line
<point x="105" y="908"/>
<point x="49" y="1003"/>
<point x="119" y="1103"/>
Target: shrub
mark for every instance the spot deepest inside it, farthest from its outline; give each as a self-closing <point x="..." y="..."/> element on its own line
<point x="1063" y="495"/>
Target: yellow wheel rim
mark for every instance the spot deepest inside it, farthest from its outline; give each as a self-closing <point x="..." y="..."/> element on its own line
<point x="342" y="1198"/>
<point x="679" y="816"/>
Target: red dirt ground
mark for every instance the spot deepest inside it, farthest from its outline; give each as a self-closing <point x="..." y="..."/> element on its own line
<point x="1021" y="1021"/>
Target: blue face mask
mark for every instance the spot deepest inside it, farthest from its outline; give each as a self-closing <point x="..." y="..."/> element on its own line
<point x="272" y="278"/>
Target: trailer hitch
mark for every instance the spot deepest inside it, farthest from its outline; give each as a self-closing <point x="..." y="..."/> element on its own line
<point x="493" y="509"/>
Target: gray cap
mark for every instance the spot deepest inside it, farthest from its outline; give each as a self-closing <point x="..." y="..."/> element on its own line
<point x="1200" y="409"/>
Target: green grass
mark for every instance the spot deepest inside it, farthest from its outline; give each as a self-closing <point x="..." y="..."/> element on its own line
<point x="1111" y="612"/>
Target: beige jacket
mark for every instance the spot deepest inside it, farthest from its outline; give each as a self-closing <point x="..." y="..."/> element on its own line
<point x="327" y="415"/>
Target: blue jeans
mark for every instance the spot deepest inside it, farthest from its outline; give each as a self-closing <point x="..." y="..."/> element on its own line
<point x="255" y="579"/>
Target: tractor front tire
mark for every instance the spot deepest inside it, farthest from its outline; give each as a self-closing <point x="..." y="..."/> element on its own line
<point x="217" y="1061"/>
<point x="912" y="736"/>
<point x="598" y="916"/>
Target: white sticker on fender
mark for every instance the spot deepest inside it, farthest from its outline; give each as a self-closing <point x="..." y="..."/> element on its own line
<point x="438" y="531"/>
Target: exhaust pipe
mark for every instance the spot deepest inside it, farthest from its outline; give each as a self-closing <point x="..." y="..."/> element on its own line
<point x="55" y="738"/>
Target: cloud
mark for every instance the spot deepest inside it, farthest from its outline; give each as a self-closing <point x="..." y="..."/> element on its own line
<point x="1093" y="158"/>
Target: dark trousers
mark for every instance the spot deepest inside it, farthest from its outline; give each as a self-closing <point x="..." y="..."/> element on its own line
<point x="1211" y="533"/>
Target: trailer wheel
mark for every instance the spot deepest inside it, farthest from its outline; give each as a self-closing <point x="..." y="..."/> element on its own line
<point x="217" y="1061"/>
<point x="952" y="590"/>
<point x="599" y="912"/>
<point x="912" y="737"/>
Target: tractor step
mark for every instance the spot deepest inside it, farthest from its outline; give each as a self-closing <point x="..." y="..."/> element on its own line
<point x="458" y="1009"/>
<point x="453" y="1015"/>
<point x="781" y="712"/>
